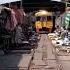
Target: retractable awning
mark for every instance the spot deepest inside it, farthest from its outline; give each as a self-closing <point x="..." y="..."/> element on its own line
<point x="7" y="1"/>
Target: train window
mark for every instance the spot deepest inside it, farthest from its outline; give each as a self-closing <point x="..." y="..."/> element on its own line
<point x="38" y="18"/>
<point x="49" y="18"/>
<point x="43" y="19"/>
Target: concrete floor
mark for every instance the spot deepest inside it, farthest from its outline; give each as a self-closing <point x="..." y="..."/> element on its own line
<point x="15" y="61"/>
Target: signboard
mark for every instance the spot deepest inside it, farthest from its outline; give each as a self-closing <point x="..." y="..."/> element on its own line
<point x="7" y="1"/>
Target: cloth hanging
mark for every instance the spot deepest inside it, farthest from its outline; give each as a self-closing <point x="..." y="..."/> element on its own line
<point x="18" y="35"/>
<point x="18" y="15"/>
<point x="11" y="23"/>
<point x="21" y="12"/>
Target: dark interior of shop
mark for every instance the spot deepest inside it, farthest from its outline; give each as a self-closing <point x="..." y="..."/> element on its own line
<point x="48" y="5"/>
<point x="34" y="5"/>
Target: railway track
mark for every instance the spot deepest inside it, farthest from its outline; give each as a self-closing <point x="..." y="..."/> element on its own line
<point x="41" y="58"/>
<point x="45" y="59"/>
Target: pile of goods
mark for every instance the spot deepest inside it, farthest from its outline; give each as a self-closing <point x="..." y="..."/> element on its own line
<point x="59" y="43"/>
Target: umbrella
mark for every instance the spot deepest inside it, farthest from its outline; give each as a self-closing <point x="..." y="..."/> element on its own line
<point x="7" y="1"/>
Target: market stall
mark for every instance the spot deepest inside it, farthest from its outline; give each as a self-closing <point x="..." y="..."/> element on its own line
<point x="15" y="30"/>
<point x="59" y="43"/>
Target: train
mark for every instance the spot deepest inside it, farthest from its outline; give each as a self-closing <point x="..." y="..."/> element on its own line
<point x="44" y="21"/>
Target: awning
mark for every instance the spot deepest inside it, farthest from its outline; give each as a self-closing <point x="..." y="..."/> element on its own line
<point x="7" y="1"/>
<point x="56" y="0"/>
